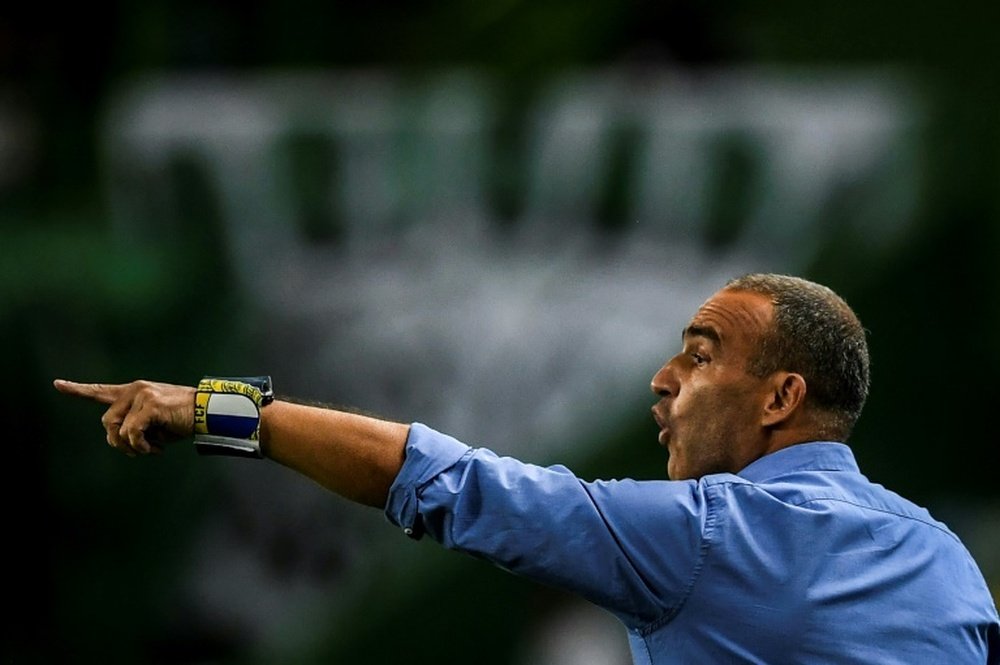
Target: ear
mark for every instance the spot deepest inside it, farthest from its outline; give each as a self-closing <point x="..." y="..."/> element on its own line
<point x="786" y="394"/>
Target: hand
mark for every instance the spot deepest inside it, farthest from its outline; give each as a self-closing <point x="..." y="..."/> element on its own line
<point x="142" y="416"/>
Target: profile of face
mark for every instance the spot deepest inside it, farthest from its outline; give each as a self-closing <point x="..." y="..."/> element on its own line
<point x="710" y="408"/>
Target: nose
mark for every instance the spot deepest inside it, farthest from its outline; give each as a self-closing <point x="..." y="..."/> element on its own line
<point x="664" y="382"/>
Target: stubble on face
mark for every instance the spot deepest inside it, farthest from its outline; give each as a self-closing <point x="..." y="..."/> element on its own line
<point x="714" y="417"/>
<point x="711" y="432"/>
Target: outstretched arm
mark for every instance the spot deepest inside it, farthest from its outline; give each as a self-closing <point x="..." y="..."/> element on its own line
<point x="353" y="455"/>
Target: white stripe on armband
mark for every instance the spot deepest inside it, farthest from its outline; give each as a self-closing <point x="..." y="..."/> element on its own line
<point x="227" y="416"/>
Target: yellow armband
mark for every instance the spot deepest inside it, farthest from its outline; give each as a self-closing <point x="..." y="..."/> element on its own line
<point x="227" y="415"/>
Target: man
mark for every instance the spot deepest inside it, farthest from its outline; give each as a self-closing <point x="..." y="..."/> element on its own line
<point x="766" y="546"/>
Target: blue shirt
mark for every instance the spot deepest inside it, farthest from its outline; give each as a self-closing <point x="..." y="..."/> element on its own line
<point x="797" y="559"/>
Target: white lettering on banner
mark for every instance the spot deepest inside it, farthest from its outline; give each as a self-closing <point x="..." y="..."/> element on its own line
<point x="419" y="153"/>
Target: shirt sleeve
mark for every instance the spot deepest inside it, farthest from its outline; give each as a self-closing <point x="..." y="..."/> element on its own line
<point x="632" y="547"/>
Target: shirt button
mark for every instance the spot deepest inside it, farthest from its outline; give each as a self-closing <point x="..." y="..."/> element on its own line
<point x="408" y="531"/>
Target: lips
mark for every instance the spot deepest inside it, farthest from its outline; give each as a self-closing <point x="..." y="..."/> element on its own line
<point x="664" y="436"/>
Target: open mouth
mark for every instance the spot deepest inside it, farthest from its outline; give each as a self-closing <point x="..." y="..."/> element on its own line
<point x="664" y="436"/>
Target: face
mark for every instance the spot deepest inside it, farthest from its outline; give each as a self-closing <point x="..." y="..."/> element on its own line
<point x="709" y="411"/>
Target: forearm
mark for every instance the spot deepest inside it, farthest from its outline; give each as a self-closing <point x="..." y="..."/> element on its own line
<point x="353" y="455"/>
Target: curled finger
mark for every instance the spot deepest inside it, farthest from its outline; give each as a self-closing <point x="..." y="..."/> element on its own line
<point x="112" y="423"/>
<point x="133" y="429"/>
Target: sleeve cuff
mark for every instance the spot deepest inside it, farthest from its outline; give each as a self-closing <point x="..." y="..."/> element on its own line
<point x="428" y="453"/>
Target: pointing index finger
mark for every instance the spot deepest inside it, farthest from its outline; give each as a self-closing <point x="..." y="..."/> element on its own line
<point x="99" y="392"/>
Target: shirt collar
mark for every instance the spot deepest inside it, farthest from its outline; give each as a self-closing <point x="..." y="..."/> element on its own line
<point x="812" y="456"/>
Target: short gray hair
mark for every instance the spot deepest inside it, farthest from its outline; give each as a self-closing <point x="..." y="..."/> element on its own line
<point x="816" y="334"/>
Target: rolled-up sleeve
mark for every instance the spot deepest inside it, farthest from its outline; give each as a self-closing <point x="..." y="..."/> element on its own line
<point x="632" y="547"/>
<point x="428" y="454"/>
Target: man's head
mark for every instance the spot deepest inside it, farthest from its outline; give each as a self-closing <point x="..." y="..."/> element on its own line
<point x="768" y="361"/>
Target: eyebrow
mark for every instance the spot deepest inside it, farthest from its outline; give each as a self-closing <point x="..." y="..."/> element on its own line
<point x="701" y="331"/>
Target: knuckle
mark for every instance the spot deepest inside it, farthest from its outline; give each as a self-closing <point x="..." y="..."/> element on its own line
<point x="145" y="391"/>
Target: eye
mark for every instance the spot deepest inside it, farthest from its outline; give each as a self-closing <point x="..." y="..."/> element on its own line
<point x="699" y="359"/>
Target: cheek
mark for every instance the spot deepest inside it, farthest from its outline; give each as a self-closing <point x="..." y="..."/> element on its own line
<point x="712" y="415"/>
<point x="697" y="401"/>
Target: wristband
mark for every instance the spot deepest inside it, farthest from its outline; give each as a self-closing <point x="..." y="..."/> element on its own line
<point x="227" y="415"/>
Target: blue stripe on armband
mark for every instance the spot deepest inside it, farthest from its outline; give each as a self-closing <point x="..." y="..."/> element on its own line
<point x="227" y="415"/>
<point x="232" y="415"/>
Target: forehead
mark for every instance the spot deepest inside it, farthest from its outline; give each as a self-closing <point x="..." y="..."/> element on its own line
<point x="732" y="316"/>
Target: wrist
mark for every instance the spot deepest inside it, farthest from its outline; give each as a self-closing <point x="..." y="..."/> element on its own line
<point x="227" y="415"/>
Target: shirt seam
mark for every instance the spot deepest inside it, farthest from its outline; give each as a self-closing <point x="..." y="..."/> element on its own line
<point x="710" y="521"/>
<point x="877" y="509"/>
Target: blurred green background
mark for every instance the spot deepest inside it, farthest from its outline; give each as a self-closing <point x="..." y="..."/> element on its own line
<point x="101" y="547"/>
